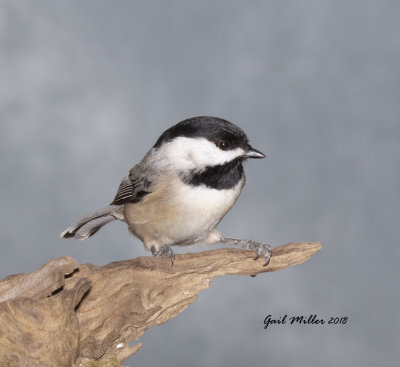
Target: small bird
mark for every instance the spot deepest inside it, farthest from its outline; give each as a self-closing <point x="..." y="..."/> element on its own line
<point x="182" y="188"/>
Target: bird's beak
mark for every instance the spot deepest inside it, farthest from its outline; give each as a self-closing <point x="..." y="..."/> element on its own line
<point x="253" y="153"/>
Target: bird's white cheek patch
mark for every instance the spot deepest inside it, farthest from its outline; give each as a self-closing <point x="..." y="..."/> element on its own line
<point x="193" y="153"/>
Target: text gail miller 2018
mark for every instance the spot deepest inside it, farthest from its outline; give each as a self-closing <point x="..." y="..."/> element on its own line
<point x="304" y="320"/>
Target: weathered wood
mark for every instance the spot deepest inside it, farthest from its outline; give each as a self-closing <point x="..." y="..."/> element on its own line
<point x="64" y="313"/>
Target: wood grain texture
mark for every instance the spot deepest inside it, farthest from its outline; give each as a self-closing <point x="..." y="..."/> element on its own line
<point x="64" y="314"/>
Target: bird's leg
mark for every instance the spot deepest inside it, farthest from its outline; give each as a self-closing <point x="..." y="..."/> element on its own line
<point x="163" y="251"/>
<point x="260" y="248"/>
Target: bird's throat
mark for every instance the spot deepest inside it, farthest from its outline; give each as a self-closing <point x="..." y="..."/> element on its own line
<point x="221" y="177"/>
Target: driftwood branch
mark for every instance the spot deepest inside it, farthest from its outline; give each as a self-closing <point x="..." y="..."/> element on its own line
<point x="64" y="314"/>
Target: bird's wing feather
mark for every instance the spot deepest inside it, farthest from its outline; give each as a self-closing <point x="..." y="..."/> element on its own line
<point x="133" y="188"/>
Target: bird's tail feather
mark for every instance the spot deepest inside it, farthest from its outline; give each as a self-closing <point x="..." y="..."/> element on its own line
<point x="90" y="224"/>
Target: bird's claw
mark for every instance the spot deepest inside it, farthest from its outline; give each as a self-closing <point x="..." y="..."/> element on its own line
<point x="260" y="248"/>
<point x="164" y="251"/>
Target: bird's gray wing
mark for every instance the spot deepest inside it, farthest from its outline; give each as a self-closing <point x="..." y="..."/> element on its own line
<point x="133" y="188"/>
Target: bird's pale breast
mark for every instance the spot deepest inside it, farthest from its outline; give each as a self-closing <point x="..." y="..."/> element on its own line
<point x="165" y="218"/>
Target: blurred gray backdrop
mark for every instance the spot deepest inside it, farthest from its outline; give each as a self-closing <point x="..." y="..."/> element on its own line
<point x="86" y="87"/>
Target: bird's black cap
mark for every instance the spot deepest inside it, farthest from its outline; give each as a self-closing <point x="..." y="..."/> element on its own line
<point x="213" y="129"/>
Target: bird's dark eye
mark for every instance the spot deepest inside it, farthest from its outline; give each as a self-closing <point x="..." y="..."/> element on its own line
<point x="224" y="145"/>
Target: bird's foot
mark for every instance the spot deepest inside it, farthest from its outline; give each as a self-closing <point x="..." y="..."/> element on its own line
<point x="260" y="248"/>
<point x="163" y="251"/>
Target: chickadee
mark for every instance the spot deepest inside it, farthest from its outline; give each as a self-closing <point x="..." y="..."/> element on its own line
<point x="181" y="189"/>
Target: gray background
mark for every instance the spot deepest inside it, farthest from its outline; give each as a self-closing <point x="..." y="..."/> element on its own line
<point x="86" y="88"/>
